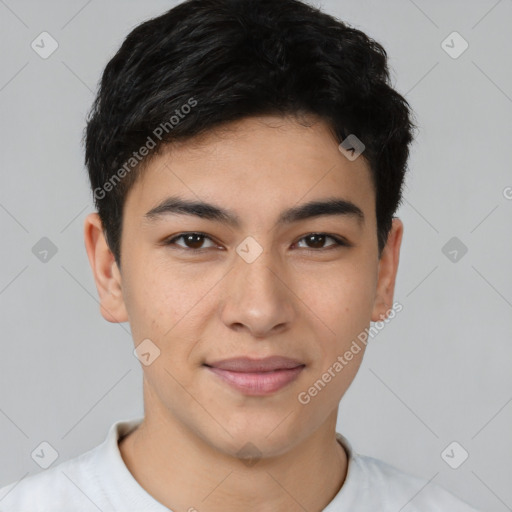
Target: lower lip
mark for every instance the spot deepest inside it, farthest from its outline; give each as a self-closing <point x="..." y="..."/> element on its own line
<point x="258" y="383"/>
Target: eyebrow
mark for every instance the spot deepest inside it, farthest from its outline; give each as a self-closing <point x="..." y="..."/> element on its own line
<point x="178" y="206"/>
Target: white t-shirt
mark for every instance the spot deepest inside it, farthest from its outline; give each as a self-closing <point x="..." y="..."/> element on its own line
<point x="98" y="480"/>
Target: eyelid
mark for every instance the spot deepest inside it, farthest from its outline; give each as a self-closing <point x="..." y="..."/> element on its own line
<point x="339" y="241"/>
<point x="171" y="240"/>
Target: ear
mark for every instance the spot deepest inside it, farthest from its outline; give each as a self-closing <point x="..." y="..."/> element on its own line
<point x="388" y="267"/>
<point x="105" y="270"/>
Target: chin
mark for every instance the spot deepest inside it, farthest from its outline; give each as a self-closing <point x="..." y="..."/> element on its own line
<point x="258" y="436"/>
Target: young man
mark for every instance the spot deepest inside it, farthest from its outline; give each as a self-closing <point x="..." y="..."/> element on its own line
<point x="246" y="159"/>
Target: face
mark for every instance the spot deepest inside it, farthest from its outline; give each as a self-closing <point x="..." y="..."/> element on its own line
<point x="205" y="286"/>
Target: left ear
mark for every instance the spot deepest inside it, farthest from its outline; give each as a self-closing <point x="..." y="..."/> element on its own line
<point x="105" y="270"/>
<point x="388" y="267"/>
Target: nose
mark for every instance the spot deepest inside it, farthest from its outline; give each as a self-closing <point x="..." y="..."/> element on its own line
<point x="257" y="298"/>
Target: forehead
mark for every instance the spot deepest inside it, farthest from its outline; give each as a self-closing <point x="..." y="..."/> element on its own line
<point x="259" y="166"/>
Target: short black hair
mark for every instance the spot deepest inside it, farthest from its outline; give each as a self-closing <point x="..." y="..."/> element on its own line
<point x="205" y="63"/>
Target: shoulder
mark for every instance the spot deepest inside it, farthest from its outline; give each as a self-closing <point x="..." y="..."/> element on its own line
<point x="372" y="484"/>
<point x="69" y="482"/>
<point x="397" y="488"/>
<point x="95" y="480"/>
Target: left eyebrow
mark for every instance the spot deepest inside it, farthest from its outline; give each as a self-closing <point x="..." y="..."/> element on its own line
<point x="331" y="206"/>
<point x="179" y="206"/>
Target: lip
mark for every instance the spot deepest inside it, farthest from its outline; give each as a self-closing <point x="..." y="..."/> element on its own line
<point x="257" y="377"/>
<point x="247" y="364"/>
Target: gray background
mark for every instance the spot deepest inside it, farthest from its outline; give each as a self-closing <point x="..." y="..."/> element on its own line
<point x="439" y="372"/>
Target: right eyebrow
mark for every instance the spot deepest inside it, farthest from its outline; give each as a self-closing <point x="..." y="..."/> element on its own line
<point x="176" y="205"/>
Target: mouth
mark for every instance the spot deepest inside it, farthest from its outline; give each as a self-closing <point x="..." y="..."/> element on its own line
<point x="257" y="377"/>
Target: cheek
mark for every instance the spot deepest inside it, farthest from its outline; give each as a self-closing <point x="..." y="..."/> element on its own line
<point x="342" y="298"/>
<point x="162" y="299"/>
<point x="148" y="298"/>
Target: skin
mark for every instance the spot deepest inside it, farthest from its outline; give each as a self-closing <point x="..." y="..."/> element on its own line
<point x="297" y="299"/>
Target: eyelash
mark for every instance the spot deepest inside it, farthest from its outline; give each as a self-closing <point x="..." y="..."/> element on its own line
<point x="339" y="242"/>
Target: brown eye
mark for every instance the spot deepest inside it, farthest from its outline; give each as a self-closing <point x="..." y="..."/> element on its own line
<point x="317" y="241"/>
<point x="192" y="241"/>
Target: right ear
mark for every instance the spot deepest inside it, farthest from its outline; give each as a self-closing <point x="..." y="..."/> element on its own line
<point x="105" y="270"/>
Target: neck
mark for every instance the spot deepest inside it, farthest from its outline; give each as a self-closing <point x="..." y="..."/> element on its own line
<point x="185" y="472"/>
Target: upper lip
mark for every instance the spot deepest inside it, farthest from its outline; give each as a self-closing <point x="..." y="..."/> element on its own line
<point x="246" y="364"/>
